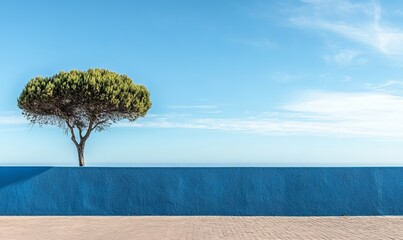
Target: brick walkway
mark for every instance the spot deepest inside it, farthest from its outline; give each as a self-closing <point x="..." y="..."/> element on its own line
<point x="88" y="228"/>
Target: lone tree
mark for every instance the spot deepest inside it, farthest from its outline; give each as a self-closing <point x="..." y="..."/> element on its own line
<point x="81" y="102"/>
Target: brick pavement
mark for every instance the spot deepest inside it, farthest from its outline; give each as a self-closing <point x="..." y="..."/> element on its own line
<point x="233" y="228"/>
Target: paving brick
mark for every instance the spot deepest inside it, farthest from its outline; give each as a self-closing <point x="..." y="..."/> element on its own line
<point x="176" y="228"/>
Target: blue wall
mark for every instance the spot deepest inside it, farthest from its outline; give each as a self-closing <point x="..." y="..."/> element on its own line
<point x="201" y="191"/>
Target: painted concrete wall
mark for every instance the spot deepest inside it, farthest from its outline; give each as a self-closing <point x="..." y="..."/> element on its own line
<point x="201" y="191"/>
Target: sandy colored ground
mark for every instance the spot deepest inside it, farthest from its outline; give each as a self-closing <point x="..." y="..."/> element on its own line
<point x="72" y="228"/>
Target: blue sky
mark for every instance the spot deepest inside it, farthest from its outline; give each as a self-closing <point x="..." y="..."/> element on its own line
<point x="233" y="83"/>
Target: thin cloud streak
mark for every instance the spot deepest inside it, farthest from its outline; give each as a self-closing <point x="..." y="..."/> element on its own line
<point x="392" y="86"/>
<point x="329" y="114"/>
<point x="192" y="107"/>
<point x="12" y="120"/>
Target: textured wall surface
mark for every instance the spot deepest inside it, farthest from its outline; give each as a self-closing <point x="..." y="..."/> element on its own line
<point x="201" y="191"/>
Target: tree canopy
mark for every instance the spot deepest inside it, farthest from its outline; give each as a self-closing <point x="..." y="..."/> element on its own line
<point x="83" y="100"/>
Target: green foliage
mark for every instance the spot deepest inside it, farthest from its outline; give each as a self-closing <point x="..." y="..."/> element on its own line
<point x="90" y="99"/>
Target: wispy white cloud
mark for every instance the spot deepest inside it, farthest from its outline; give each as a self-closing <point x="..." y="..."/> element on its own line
<point x="192" y="106"/>
<point x="15" y="129"/>
<point x="286" y="77"/>
<point x="335" y="114"/>
<point x="211" y="112"/>
<point x="336" y="6"/>
<point x="9" y="122"/>
<point x="346" y="57"/>
<point x="12" y="120"/>
<point x="392" y="86"/>
<point x="398" y="12"/>
<point x="368" y="29"/>
<point x="347" y="78"/>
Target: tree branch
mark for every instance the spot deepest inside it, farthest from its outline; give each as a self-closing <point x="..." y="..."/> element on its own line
<point x="80" y="131"/>
<point x="98" y="123"/>
<point x="89" y="130"/>
<point x="73" y="136"/>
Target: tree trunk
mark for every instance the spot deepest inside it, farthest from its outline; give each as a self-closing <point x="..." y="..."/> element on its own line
<point x="80" y="150"/>
<point x="80" y="145"/>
